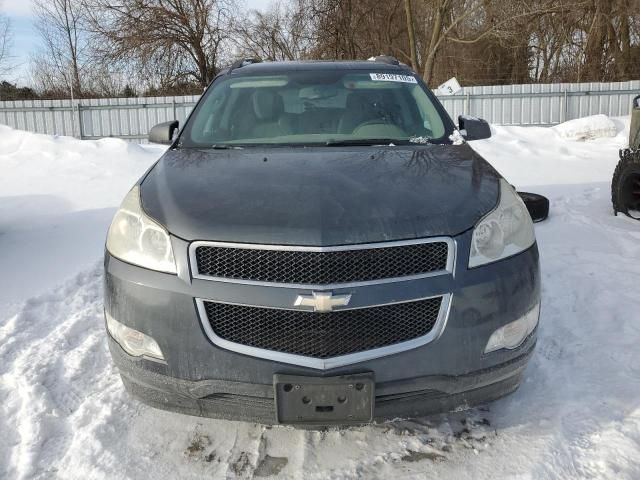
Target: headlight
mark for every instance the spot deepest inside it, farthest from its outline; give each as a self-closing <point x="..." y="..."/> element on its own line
<point x="513" y="334"/>
<point x="136" y="238"/>
<point x="505" y="231"/>
<point x="132" y="341"/>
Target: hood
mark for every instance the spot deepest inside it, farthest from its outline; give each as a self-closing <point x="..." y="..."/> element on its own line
<point x="320" y="196"/>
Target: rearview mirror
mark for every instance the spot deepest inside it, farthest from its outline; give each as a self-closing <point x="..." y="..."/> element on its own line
<point x="473" y="128"/>
<point x="163" y="132"/>
<point x="537" y="205"/>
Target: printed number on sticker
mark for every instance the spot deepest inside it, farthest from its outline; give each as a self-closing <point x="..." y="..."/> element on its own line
<point x="392" y="77"/>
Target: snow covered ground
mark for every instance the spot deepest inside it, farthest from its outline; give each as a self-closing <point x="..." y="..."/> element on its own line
<point x="64" y="413"/>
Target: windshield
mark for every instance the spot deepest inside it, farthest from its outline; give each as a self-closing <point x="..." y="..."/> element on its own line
<point x="315" y="108"/>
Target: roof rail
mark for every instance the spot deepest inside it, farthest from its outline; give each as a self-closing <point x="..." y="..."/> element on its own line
<point x="388" y="59"/>
<point x="243" y="63"/>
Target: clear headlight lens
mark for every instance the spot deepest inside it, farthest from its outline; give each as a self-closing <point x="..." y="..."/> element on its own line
<point x="513" y="334"/>
<point x="136" y="238"/>
<point x="505" y="231"/>
<point x="135" y="343"/>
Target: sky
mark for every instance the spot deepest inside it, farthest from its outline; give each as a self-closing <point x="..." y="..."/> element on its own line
<point x="27" y="41"/>
<point x="25" y="37"/>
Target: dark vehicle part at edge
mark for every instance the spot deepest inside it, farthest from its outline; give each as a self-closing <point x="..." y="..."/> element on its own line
<point x="625" y="185"/>
<point x="537" y="205"/>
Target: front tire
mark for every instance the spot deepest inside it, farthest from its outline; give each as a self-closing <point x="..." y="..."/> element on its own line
<point x="625" y="185"/>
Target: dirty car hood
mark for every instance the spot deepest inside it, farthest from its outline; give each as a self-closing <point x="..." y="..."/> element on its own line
<point x="320" y="196"/>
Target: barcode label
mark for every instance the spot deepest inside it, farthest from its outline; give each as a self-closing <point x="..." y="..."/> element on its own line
<point x="393" y="77"/>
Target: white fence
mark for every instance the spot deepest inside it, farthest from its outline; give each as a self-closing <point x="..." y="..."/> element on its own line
<point x="129" y="118"/>
<point x="543" y="104"/>
<point x="132" y="118"/>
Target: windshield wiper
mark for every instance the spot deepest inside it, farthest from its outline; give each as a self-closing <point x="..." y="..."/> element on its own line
<point x="364" y="141"/>
<point x="224" y="146"/>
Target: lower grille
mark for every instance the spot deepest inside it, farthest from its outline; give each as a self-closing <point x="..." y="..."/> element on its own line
<point x="323" y="335"/>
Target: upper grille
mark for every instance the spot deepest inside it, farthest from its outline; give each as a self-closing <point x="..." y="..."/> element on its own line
<point x="304" y="267"/>
<point x="323" y="335"/>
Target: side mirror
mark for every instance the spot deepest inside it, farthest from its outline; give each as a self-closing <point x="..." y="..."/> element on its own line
<point x="537" y="205"/>
<point x="473" y="128"/>
<point x="164" y="132"/>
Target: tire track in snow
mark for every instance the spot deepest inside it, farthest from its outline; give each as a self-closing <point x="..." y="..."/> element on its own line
<point x="46" y="351"/>
<point x="585" y="379"/>
<point x="244" y="454"/>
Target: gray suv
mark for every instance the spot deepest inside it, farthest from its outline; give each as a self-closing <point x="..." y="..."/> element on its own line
<point x="320" y="245"/>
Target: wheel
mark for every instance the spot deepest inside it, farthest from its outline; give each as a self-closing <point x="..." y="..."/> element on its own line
<point x="625" y="185"/>
<point x="537" y="205"/>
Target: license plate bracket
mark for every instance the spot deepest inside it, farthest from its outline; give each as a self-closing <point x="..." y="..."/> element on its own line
<point x="344" y="400"/>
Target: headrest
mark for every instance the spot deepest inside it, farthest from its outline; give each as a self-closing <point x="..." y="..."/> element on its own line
<point x="267" y="104"/>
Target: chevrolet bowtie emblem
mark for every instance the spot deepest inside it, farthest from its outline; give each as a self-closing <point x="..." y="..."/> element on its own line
<point x="322" y="301"/>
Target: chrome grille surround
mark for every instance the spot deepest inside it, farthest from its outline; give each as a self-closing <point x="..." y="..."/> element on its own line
<point x="449" y="264"/>
<point x="332" y="362"/>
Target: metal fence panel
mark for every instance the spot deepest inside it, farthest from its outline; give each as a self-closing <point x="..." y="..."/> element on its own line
<point x="543" y="104"/>
<point x="132" y="118"/>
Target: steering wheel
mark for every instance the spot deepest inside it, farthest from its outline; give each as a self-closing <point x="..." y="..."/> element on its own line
<point x="379" y="129"/>
<point x="375" y="121"/>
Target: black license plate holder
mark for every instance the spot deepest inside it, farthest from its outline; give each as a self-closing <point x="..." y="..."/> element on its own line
<point x="343" y="400"/>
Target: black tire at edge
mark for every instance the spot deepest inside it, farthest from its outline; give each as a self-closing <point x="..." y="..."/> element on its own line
<point x="537" y="205"/>
<point x="629" y="162"/>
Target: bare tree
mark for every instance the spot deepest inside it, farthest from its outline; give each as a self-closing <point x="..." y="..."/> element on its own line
<point x="177" y="46"/>
<point x="412" y="34"/>
<point x="6" y="43"/>
<point x="589" y="41"/>
<point x="468" y="22"/>
<point x="184" y="37"/>
<point x="280" y="33"/>
<point x="605" y="32"/>
<point x="65" y="54"/>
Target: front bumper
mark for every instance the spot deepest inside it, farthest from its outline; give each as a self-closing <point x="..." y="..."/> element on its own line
<point x="201" y="378"/>
<point x="255" y="402"/>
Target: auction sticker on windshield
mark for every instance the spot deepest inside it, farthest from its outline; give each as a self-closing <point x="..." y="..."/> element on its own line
<point x="392" y="77"/>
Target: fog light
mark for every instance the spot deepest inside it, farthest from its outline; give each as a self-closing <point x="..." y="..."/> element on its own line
<point x="513" y="334"/>
<point x="133" y="342"/>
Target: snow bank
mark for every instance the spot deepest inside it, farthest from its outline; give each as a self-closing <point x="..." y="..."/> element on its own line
<point x="64" y="414"/>
<point x="534" y="156"/>
<point x="587" y="128"/>
<point x="57" y="197"/>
